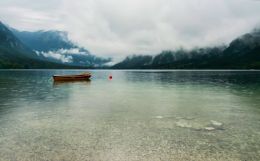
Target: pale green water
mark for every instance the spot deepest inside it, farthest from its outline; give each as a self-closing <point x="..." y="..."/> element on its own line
<point x="139" y="115"/>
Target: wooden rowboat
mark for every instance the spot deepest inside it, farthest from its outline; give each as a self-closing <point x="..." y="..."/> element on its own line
<point x="79" y="77"/>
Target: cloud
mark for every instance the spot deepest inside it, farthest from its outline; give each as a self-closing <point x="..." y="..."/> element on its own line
<point x="57" y="55"/>
<point x="121" y="27"/>
<point x="32" y="15"/>
<point x="63" y="55"/>
<point x="75" y="51"/>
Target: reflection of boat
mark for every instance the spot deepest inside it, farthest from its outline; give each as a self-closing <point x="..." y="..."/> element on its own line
<point x="82" y="82"/>
<point x="79" y="77"/>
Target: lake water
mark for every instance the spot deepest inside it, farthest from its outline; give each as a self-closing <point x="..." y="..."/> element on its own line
<point x="138" y="115"/>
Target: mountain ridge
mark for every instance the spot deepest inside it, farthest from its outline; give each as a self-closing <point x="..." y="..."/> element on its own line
<point x="53" y="49"/>
<point x="55" y="46"/>
<point x="242" y="53"/>
<point x="14" y="53"/>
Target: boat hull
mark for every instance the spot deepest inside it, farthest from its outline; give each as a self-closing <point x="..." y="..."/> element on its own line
<point x="72" y="77"/>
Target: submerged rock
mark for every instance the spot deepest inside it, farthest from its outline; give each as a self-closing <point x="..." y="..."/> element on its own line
<point x="216" y="123"/>
<point x="159" y="117"/>
<point x="209" y="128"/>
<point x="199" y="125"/>
<point x="191" y="124"/>
<point x="189" y="118"/>
<point x="183" y="124"/>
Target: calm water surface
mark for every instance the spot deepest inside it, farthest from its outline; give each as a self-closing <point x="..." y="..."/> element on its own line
<point x="139" y="115"/>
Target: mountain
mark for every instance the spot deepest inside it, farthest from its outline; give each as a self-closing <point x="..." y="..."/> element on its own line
<point x="55" y="46"/>
<point x="9" y="41"/>
<point x="53" y="49"/>
<point x="44" y="40"/>
<point x="14" y="54"/>
<point x="241" y="53"/>
<point x="245" y="51"/>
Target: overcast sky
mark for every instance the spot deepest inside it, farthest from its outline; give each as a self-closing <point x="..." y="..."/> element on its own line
<point x="121" y="27"/>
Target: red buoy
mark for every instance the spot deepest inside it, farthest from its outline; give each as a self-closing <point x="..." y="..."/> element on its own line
<point x="110" y="77"/>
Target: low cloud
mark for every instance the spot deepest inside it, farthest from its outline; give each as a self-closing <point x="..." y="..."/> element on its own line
<point x="76" y="51"/>
<point x="60" y="55"/>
